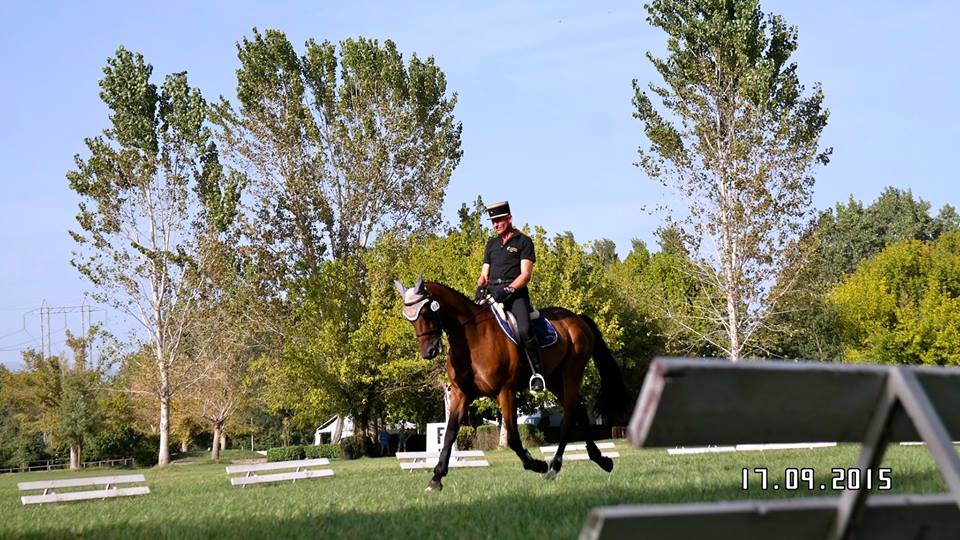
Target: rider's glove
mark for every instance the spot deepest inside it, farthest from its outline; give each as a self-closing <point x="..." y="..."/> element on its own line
<point x="501" y="294"/>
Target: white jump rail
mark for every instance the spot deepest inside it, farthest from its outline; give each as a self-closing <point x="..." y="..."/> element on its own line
<point x="302" y="466"/>
<point x="428" y="460"/>
<point x="578" y="451"/>
<point x="51" y="487"/>
<point x="749" y="448"/>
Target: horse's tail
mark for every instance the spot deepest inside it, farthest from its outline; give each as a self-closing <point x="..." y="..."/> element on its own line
<point x="613" y="401"/>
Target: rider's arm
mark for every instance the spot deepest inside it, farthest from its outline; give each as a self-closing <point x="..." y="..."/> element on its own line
<point x="526" y="272"/>
<point x="484" y="275"/>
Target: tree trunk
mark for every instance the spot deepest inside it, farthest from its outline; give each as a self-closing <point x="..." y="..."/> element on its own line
<point x="74" y="456"/>
<point x="164" y="457"/>
<point x="223" y="440"/>
<point x="215" y="446"/>
<point x="184" y="445"/>
<point x="503" y="434"/>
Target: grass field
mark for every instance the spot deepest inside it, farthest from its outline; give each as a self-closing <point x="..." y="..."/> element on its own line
<point x="373" y="498"/>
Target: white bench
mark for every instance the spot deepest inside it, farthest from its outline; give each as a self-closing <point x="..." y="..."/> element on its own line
<point x="302" y="466"/>
<point x="51" y="487"/>
<point x="578" y="451"/>
<point x="428" y="460"/>
<point x="712" y="402"/>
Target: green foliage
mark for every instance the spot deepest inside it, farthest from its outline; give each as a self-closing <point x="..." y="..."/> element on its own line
<point x="843" y="238"/>
<point x="329" y="451"/>
<point x="466" y="438"/>
<point x="115" y="442"/>
<point x="286" y="453"/>
<point x="333" y="131"/>
<point x="903" y="306"/>
<point x="530" y="435"/>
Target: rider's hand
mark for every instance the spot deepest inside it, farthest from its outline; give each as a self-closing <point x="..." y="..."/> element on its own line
<point x="501" y="294"/>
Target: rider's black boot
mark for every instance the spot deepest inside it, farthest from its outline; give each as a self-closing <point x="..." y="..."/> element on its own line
<point x="537" y="384"/>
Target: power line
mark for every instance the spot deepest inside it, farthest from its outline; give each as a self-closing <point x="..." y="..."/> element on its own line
<point x="46" y="342"/>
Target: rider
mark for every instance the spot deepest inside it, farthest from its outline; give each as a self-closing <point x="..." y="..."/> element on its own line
<point x="507" y="268"/>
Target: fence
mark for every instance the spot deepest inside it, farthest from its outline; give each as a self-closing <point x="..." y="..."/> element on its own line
<point x="51" y="465"/>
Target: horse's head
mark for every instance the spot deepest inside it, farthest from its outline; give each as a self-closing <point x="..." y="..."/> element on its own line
<point x="421" y="309"/>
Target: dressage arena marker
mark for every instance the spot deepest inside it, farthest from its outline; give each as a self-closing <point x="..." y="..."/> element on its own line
<point x="301" y="466"/>
<point x="578" y="452"/>
<point x="109" y="490"/>
<point x="428" y="460"/>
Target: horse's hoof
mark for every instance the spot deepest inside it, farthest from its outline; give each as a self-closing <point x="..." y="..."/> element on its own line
<point x="434" y="486"/>
<point x="551" y="474"/>
<point x="605" y="463"/>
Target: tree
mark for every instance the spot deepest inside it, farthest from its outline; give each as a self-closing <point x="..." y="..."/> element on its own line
<point x="850" y="234"/>
<point x="340" y="147"/>
<point x="903" y="306"/>
<point x="740" y="151"/>
<point x="138" y="212"/>
<point x="59" y="400"/>
<point x="842" y="239"/>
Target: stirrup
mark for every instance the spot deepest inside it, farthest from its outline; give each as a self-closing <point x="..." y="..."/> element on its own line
<point x="543" y="383"/>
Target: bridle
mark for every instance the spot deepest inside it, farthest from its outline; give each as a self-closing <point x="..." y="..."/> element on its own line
<point x="413" y="308"/>
<point x="421" y="302"/>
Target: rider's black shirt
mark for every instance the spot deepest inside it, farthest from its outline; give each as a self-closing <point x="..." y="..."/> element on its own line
<point x="504" y="259"/>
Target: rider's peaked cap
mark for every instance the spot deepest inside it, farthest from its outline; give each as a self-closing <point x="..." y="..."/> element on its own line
<point x="499" y="210"/>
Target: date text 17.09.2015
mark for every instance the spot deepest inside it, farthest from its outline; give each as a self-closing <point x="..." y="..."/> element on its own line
<point x="805" y="478"/>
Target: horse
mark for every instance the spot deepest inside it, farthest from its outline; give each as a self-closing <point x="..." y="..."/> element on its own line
<point x="483" y="362"/>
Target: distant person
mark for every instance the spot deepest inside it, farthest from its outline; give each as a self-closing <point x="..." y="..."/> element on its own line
<point x="402" y="440"/>
<point x="384" y="438"/>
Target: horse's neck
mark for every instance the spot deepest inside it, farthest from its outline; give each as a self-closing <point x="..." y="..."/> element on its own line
<point x="458" y="308"/>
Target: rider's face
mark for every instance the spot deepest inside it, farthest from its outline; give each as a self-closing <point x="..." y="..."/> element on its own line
<point x="502" y="225"/>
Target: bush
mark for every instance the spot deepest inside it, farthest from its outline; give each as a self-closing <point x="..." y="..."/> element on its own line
<point x="352" y="447"/>
<point x="465" y="438"/>
<point x="329" y="451"/>
<point x="530" y="435"/>
<point x="119" y="442"/>
<point x="486" y="438"/>
<point x="285" y="453"/>
<point x="147" y="451"/>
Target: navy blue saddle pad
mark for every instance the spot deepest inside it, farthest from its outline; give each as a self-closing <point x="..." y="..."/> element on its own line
<point x="542" y="328"/>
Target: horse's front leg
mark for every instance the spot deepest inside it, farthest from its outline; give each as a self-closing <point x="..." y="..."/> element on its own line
<point x="508" y="408"/>
<point x="458" y="407"/>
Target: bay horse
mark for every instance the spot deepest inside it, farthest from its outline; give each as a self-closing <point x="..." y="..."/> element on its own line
<point x="483" y="362"/>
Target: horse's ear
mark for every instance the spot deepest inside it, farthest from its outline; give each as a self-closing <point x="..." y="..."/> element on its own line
<point x="400" y="288"/>
<point x="419" y="285"/>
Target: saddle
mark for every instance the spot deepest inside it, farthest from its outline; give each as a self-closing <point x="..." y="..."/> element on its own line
<point x="541" y="327"/>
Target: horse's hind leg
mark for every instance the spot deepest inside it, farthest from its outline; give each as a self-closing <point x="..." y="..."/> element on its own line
<point x="508" y="408"/>
<point x="458" y="406"/>
<point x="593" y="452"/>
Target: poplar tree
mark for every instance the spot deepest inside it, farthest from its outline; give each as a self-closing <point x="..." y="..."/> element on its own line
<point x="139" y="218"/>
<point x="736" y="138"/>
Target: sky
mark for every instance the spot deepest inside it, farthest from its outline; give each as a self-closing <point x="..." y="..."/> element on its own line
<point x="544" y="96"/>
